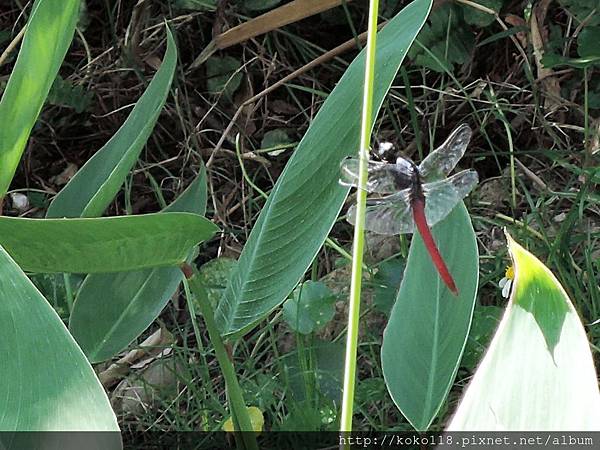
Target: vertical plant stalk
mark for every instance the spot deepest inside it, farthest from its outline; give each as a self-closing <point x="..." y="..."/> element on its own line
<point x="239" y="412"/>
<point x="361" y="200"/>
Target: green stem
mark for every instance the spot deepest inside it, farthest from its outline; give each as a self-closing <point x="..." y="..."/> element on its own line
<point x="236" y="399"/>
<point x="587" y="151"/>
<point x="206" y="374"/>
<point x="361" y="199"/>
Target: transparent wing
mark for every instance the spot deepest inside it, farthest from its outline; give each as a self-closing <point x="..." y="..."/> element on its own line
<point x="384" y="178"/>
<point x="442" y="196"/>
<point x="389" y="215"/>
<point x="438" y="164"/>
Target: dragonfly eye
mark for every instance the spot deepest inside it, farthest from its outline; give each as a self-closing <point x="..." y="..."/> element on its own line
<point x="401" y="161"/>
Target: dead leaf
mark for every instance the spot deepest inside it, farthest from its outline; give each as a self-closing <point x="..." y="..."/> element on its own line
<point x="517" y="21"/>
<point x="593" y="142"/>
<point x="539" y="36"/>
<point x="284" y="15"/>
<point x="153" y="347"/>
<point x="64" y="177"/>
<point x="141" y="392"/>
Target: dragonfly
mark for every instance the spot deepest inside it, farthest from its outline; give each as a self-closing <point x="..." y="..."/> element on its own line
<point x="412" y="196"/>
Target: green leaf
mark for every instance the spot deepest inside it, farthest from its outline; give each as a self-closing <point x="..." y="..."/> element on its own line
<point x="446" y="37"/>
<point x="95" y="185"/>
<point x="5" y="36"/>
<point x="478" y="18"/>
<point x="540" y="355"/>
<point x="113" y="309"/>
<point x="503" y="34"/>
<point x="485" y="322"/>
<point x="64" y="93"/>
<point x="276" y="141"/>
<point x="195" y="5"/>
<point x="111" y="244"/>
<point x="214" y="276"/>
<point x="256" y="419"/>
<point x="49" y="33"/>
<point x="307" y="197"/>
<point x="583" y="10"/>
<point x="47" y="384"/>
<point x="326" y="374"/>
<point x="312" y="305"/>
<point x="387" y="279"/>
<point x="588" y="42"/>
<point x="260" y="5"/>
<point x="193" y="199"/>
<point x="222" y="75"/>
<point x="428" y="327"/>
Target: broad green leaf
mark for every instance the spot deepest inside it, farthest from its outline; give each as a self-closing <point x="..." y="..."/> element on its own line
<point x="307" y="197"/>
<point x="428" y="327"/>
<point x="47" y="383"/>
<point x="588" y="42"/>
<point x="539" y="363"/>
<point x="309" y="309"/>
<point x="95" y="185"/>
<point x="49" y="33"/>
<point x="111" y="244"/>
<point x="112" y="309"/>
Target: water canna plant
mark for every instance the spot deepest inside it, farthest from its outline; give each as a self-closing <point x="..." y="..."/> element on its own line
<point x="75" y="239"/>
<point x="540" y="355"/>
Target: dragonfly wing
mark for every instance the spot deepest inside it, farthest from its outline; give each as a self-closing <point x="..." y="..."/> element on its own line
<point x="384" y="178"/>
<point x="442" y="196"/>
<point x="389" y="215"/>
<point x="442" y="160"/>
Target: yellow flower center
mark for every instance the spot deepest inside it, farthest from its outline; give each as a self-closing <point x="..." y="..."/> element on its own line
<point x="510" y="273"/>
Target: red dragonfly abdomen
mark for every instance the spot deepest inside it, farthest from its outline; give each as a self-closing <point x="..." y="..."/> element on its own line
<point x="418" y="209"/>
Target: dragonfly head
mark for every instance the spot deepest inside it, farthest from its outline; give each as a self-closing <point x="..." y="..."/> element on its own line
<point x="406" y="164"/>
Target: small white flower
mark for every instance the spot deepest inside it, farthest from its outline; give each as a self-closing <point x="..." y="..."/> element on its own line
<point x="506" y="283"/>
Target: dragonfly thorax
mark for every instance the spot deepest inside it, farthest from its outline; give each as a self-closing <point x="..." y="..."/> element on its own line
<point x="406" y="173"/>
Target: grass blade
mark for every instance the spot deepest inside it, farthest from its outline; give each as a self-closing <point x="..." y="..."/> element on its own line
<point x="49" y="33"/>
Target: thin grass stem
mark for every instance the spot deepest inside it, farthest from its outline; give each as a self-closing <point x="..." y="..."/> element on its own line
<point x="358" y="247"/>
